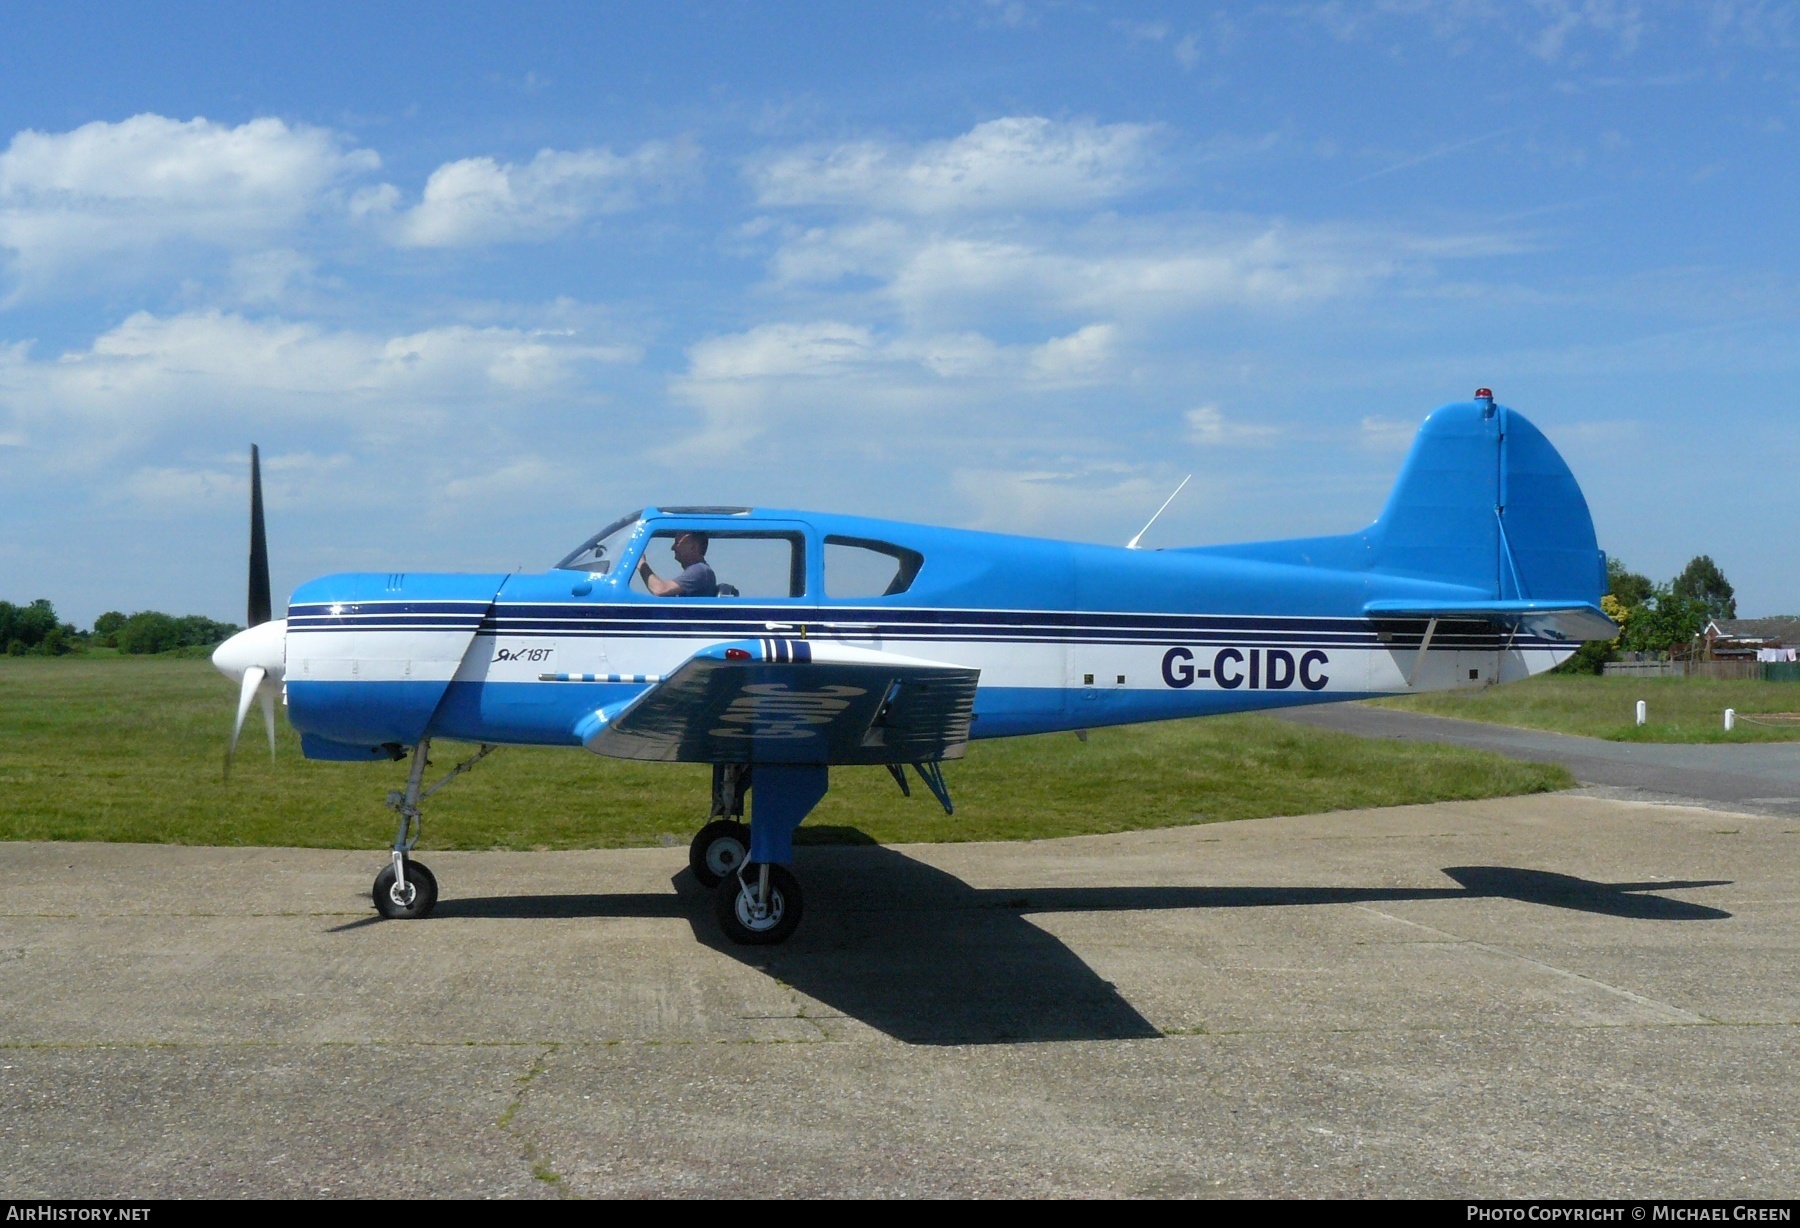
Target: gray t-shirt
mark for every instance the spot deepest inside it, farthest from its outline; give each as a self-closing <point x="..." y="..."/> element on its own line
<point x="697" y="581"/>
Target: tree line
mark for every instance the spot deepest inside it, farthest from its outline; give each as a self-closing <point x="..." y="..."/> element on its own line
<point x="35" y="630"/>
<point x="1656" y="618"/>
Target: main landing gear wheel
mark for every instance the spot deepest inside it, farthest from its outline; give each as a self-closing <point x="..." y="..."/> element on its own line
<point x="759" y="906"/>
<point x="718" y="850"/>
<point x="416" y="898"/>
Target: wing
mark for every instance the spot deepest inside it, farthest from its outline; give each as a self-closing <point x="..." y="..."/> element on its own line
<point x="792" y="701"/>
<point x="1557" y="620"/>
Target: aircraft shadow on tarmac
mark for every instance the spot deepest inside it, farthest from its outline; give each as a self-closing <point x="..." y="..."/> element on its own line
<point x="920" y="955"/>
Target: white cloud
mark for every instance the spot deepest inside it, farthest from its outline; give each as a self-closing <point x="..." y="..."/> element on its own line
<point x="1380" y="434"/>
<point x="220" y="483"/>
<point x="104" y="188"/>
<point x="1623" y="23"/>
<point x="479" y="200"/>
<point x="144" y="195"/>
<point x="1017" y="163"/>
<point x="1545" y="28"/>
<point x="835" y="377"/>
<point x="266" y="276"/>
<point x="519" y="477"/>
<point x="782" y="349"/>
<point x="1083" y="353"/>
<point x="175" y="487"/>
<point x="825" y="349"/>
<point x="1209" y="427"/>
<point x="376" y="200"/>
<point x="155" y="374"/>
<point x="1108" y="267"/>
<point x="1070" y="499"/>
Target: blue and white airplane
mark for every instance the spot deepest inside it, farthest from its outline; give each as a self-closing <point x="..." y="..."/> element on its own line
<point x="837" y="640"/>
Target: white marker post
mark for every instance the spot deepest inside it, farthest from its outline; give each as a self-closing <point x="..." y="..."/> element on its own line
<point x="1643" y="712"/>
<point x="1730" y="719"/>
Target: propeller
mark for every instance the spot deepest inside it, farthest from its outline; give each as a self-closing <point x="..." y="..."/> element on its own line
<point x="260" y="605"/>
<point x="255" y="657"/>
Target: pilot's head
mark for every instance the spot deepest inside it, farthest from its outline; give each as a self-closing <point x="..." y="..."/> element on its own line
<point x="690" y="548"/>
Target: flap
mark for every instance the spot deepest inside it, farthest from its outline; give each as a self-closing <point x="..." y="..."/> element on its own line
<point x="1554" y="620"/>
<point x="792" y="701"/>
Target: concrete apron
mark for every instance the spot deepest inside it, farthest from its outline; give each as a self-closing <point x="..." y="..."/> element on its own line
<point x="1544" y="995"/>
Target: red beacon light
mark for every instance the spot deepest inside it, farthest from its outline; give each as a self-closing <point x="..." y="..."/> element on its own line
<point x="1484" y="394"/>
<point x="737" y="654"/>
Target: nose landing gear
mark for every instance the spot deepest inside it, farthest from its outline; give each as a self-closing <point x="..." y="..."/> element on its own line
<point x="406" y="890"/>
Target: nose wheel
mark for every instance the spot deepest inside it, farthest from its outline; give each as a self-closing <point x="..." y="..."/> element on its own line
<point x="408" y="895"/>
<point x="760" y="905"/>
<point x="718" y="850"/>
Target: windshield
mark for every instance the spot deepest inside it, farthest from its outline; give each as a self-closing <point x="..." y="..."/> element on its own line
<point x="597" y="554"/>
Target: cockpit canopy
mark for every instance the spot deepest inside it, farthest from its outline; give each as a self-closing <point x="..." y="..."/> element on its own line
<point x="764" y="560"/>
<point x="598" y="553"/>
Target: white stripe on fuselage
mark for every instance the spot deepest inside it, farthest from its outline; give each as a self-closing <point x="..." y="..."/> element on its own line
<point x="1035" y="664"/>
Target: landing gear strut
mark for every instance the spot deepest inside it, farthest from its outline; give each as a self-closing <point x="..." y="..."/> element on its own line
<point x="406" y="890"/>
<point x="758" y="899"/>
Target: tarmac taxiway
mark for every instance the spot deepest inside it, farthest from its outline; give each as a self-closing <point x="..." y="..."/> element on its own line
<point x="1565" y="994"/>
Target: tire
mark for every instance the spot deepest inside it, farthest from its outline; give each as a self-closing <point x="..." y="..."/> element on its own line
<point x="718" y="850"/>
<point x="421" y="884"/>
<point x="731" y="905"/>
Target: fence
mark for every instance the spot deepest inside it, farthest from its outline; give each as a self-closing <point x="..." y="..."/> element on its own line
<point x="1732" y="671"/>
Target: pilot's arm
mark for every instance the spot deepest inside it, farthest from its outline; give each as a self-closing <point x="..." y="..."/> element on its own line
<point x="658" y="586"/>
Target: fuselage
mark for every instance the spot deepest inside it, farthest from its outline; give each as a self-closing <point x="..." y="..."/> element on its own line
<point x="1065" y="635"/>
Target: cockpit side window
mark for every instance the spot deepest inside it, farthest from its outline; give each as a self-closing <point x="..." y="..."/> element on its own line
<point x="863" y="567"/>
<point x="748" y="565"/>
<point x="598" y="553"/>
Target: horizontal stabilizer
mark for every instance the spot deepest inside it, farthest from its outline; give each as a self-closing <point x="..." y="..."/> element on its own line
<point x="1556" y="620"/>
<point x="792" y="701"/>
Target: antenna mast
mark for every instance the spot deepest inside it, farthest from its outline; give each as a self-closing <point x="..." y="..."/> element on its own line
<point x="1133" y="543"/>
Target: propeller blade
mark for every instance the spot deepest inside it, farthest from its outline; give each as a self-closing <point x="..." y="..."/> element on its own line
<point x="268" y="706"/>
<point x="261" y="605"/>
<point x="246" y="696"/>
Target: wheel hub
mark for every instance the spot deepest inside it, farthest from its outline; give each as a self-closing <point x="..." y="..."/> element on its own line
<point x="756" y="915"/>
<point x="724" y="856"/>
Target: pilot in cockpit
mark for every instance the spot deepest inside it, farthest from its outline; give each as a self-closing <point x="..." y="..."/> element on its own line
<point x="696" y="578"/>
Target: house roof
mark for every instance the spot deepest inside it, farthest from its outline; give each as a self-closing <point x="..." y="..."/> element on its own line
<point x="1784" y="629"/>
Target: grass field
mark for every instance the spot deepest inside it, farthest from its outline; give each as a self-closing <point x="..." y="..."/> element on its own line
<point x="1680" y="709"/>
<point x="131" y="748"/>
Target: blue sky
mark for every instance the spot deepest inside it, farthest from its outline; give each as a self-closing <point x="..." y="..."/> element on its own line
<point x="479" y="279"/>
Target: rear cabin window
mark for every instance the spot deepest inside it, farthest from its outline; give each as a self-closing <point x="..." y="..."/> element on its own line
<point x="755" y="566"/>
<point x="859" y="567"/>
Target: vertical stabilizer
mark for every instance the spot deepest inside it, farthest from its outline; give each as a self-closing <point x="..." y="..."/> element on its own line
<point x="1486" y="502"/>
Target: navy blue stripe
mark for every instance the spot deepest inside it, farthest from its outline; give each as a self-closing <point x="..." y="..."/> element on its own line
<point x="676" y="612"/>
<point x="1108" y="627"/>
<point x="1471" y="641"/>
<point x="1446" y="643"/>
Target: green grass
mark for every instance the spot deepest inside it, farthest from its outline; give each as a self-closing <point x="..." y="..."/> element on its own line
<point x="130" y="748"/>
<point x="1680" y="709"/>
